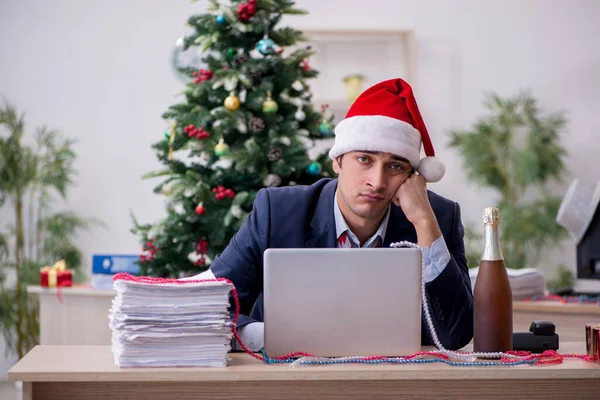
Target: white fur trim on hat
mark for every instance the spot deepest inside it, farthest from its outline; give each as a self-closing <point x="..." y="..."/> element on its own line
<point x="377" y="133"/>
<point x="432" y="169"/>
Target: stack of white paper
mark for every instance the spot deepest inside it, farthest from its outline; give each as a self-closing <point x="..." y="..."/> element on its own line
<point x="524" y="283"/>
<point x="171" y="324"/>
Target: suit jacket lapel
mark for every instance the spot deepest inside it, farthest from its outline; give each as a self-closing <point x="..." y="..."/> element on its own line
<point x="399" y="228"/>
<point x="323" y="221"/>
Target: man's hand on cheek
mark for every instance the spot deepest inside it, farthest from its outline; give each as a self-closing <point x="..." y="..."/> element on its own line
<point x="412" y="198"/>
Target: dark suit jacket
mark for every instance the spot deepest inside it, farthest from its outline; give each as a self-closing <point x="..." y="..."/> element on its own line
<point x="302" y="216"/>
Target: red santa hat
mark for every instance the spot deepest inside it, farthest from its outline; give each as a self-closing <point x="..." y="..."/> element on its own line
<point x="386" y="118"/>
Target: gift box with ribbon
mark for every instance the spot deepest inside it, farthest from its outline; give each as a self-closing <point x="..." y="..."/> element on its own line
<point x="56" y="275"/>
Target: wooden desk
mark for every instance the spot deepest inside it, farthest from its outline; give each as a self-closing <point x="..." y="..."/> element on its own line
<point x="88" y="372"/>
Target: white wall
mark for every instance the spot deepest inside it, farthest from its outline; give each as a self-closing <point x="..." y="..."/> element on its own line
<point x="100" y="72"/>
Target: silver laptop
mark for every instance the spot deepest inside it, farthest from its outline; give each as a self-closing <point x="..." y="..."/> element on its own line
<point x="342" y="302"/>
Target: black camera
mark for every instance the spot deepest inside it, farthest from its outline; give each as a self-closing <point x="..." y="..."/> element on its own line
<point x="541" y="336"/>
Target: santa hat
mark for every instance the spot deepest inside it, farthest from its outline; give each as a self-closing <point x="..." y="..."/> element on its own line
<point x="386" y="118"/>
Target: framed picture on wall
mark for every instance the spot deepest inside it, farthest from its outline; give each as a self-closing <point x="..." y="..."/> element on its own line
<point x="349" y="61"/>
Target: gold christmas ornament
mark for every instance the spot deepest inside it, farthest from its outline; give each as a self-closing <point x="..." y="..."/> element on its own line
<point x="232" y="102"/>
<point x="270" y="106"/>
<point x="221" y="148"/>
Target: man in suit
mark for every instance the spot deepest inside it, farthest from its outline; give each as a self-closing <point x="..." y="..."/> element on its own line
<point x="379" y="197"/>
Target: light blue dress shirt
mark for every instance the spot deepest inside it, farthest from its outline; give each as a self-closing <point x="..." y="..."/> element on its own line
<point x="435" y="258"/>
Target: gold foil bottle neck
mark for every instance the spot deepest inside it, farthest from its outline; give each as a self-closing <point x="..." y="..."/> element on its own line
<point x="491" y="216"/>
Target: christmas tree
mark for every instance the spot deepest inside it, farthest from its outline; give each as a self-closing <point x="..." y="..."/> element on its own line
<point x="245" y="123"/>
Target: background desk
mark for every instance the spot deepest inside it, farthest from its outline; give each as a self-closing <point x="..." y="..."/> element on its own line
<point x="570" y="318"/>
<point x="82" y="317"/>
<point x="88" y="372"/>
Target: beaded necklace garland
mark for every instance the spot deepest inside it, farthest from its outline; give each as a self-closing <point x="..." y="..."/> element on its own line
<point x="441" y="355"/>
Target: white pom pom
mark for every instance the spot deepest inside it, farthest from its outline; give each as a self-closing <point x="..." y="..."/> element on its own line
<point x="432" y="169"/>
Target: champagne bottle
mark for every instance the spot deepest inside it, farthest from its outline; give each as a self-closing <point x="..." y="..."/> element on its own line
<point x="492" y="296"/>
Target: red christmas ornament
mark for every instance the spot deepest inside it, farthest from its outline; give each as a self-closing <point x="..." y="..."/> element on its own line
<point x="221" y="192"/>
<point x="202" y="246"/>
<point x="200" y="210"/>
<point x="247" y="10"/>
<point x="202" y="75"/>
<point x="194" y="132"/>
<point x="305" y="66"/>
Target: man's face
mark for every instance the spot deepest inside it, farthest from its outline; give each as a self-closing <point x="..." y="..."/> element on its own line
<point x="367" y="181"/>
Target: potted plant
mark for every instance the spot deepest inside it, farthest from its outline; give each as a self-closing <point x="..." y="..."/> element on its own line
<point x="515" y="150"/>
<point x="33" y="235"/>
